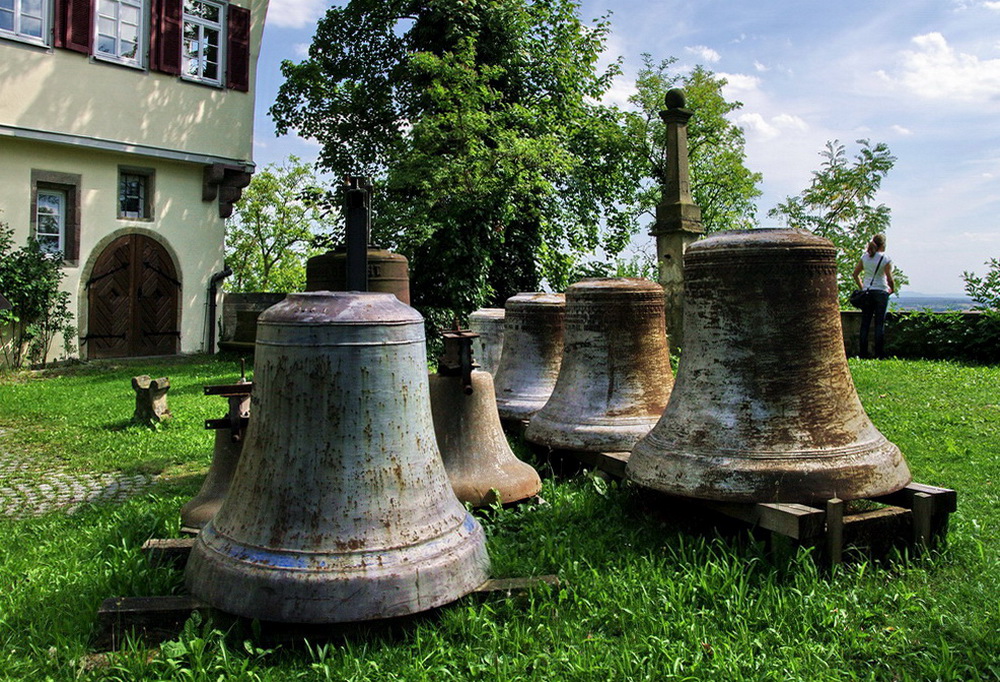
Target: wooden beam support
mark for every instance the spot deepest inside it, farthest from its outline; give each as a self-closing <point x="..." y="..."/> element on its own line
<point x="835" y="531"/>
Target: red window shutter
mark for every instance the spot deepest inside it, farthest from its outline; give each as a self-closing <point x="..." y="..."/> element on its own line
<point x="238" y="58"/>
<point x="73" y="25"/>
<point x="165" y="28"/>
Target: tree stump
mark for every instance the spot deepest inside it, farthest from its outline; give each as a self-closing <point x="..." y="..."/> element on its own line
<point x="150" y="400"/>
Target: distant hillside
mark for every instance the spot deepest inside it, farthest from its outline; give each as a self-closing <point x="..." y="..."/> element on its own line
<point x="912" y="300"/>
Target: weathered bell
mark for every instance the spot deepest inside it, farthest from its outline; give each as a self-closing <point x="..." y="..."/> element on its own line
<point x="615" y="375"/>
<point x="229" y="434"/>
<point x="480" y="464"/>
<point x="488" y="323"/>
<point x="764" y="408"/>
<point x="532" y="352"/>
<point x="340" y="508"/>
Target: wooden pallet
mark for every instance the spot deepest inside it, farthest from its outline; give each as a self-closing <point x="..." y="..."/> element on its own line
<point x="915" y="516"/>
<point x="157" y="619"/>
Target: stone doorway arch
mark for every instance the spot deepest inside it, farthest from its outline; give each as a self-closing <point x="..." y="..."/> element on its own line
<point x="132" y="298"/>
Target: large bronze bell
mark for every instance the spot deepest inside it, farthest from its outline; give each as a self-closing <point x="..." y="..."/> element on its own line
<point x="615" y="375"/>
<point x="488" y="323"/>
<point x="532" y="352"/>
<point x="340" y="508"/>
<point x="482" y="467"/>
<point x="764" y="408"/>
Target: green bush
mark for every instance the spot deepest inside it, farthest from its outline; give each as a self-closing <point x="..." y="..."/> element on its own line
<point x="29" y="279"/>
<point x="952" y="335"/>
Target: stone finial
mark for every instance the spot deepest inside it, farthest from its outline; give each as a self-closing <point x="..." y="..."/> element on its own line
<point x="150" y="400"/>
<point x="674" y="99"/>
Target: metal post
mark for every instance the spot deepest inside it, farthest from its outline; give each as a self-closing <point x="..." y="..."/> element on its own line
<point x="358" y="228"/>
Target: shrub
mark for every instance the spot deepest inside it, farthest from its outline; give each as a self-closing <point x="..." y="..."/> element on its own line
<point x="946" y="335"/>
<point x="29" y="279"/>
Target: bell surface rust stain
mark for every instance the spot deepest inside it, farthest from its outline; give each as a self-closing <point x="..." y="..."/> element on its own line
<point x="764" y="408"/>
<point x="615" y="377"/>
<point x="340" y="509"/>
<point x="532" y="352"/>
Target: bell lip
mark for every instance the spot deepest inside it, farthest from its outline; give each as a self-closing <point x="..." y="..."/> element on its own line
<point x="760" y="238"/>
<point x="488" y="314"/>
<point x="457" y="567"/>
<point x="723" y="476"/>
<point x="611" y="286"/>
<point x="589" y="434"/>
<point x="522" y="483"/>
<point x="537" y="299"/>
<point x="340" y="308"/>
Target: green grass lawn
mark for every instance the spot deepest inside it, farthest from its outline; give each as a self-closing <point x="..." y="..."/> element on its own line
<point x="643" y="598"/>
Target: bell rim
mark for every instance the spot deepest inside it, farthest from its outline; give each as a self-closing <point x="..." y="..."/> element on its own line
<point x="676" y="473"/>
<point x="332" y="596"/>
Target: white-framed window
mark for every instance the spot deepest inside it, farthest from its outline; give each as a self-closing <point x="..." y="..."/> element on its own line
<point x="50" y="220"/>
<point x="118" y="31"/>
<point x="25" y="20"/>
<point x="203" y="40"/>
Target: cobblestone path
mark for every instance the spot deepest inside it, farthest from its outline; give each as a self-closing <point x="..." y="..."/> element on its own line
<point x="27" y="491"/>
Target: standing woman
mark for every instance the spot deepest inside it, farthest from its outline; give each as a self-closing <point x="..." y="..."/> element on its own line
<point x="876" y="267"/>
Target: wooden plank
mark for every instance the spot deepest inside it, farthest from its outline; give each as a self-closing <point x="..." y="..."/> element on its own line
<point x="611" y="462"/>
<point x="168" y="551"/>
<point x="152" y="619"/>
<point x="923" y="509"/>
<point x="945" y="499"/>
<point x="835" y="531"/>
<point x="797" y="521"/>
<point x="876" y="532"/>
<point x="157" y="619"/>
<point x="512" y="586"/>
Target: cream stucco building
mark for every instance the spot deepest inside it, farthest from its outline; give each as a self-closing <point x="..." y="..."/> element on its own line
<point x="126" y="132"/>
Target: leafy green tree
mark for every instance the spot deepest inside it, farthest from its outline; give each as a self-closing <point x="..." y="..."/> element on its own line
<point x="273" y="227"/>
<point x="721" y="184"/>
<point x="478" y="121"/>
<point x="29" y="280"/>
<point x="985" y="291"/>
<point x="839" y="204"/>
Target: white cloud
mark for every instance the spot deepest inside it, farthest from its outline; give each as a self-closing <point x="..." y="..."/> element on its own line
<point x="705" y="52"/>
<point x="995" y="6"/>
<point x="737" y="83"/>
<point x="760" y="67"/>
<point x="294" y="13"/>
<point x="770" y="128"/>
<point x="935" y="70"/>
<point x="621" y="89"/>
<point x="301" y="50"/>
<point x="901" y="130"/>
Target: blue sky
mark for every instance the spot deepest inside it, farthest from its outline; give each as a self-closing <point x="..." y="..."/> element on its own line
<point x="922" y="76"/>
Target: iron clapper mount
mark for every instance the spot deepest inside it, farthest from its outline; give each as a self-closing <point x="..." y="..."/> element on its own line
<point x="238" y="394"/>
<point x="457" y="360"/>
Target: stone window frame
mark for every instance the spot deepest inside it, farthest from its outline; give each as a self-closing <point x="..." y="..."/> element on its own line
<point x="69" y="183"/>
<point x="148" y="207"/>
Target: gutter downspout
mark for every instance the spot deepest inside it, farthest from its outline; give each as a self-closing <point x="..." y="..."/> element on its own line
<point x="213" y="287"/>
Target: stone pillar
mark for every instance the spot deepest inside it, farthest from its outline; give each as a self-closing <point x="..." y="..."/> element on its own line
<point x="678" y="218"/>
<point x="150" y="400"/>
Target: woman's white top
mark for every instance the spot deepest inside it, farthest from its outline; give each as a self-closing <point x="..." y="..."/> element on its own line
<point x="868" y="264"/>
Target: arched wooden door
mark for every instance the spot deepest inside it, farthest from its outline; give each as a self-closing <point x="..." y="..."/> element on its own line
<point x="132" y="298"/>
